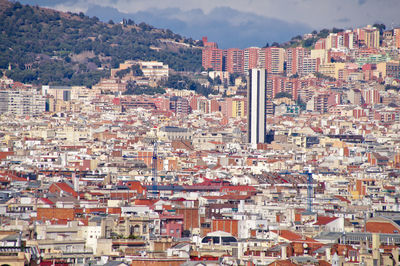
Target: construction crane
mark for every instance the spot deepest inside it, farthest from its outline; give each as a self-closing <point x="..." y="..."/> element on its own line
<point x="153" y="188"/>
<point x="309" y="190"/>
<point x="154" y="170"/>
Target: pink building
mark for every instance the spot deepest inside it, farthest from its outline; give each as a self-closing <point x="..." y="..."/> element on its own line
<point x="251" y="58"/>
<point x="171" y="225"/>
<point x="212" y="58"/>
<point x="294" y="59"/>
<point x="234" y="60"/>
<point x="371" y="96"/>
<point x="274" y="60"/>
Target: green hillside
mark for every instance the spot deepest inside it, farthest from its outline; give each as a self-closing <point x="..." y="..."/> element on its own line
<point x="44" y="46"/>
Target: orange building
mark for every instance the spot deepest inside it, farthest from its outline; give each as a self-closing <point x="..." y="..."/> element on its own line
<point x="56" y="213"/>
<point x="226" y="225"/>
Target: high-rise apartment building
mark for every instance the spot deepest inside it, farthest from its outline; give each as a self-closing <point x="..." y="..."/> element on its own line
<point x="251" y="58"/>
<point x="371" y="96"/>
<point x="396" y="38"/>
<point x="319" y="103"/>
<point x="179" y="105"/>
<point x="212" y="58"/>
<point x="256" y="113"/>
<point x="369" y="36"/>
<point x="234" y="60"/>
<point x="22" y="102"/>
<point x="294" y="59"/>
<point x="274" y="60"/>
<point x="309" y="66"/>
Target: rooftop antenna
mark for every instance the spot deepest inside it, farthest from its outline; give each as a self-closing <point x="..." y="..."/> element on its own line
<point x="309" y="190"/>
<point x="154" y="169"/>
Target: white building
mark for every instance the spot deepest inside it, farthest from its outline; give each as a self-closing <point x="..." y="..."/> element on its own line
<point x="256" y="115"/>
<point x="22" y="102"/>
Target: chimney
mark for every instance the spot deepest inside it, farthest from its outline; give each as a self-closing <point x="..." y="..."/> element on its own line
<point x="375" y="246"/>
<point x="328" y="254"/>
<point x="283" y="252"/>
<point x="75" y="181"/>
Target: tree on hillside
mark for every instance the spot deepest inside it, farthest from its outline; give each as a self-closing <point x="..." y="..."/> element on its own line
<point x="381" y="27"/>
<point x="41" y="37"/>
<point x="283" y="95"/>
<point x="323" y="33"/>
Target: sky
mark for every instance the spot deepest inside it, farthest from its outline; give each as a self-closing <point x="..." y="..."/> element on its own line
<point x="238" y="23"/>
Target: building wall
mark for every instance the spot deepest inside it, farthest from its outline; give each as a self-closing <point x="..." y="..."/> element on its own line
<point x="396" y="38"/>
<point x="158" y="262"/>
<point x="229" y="226"/>
<point x="190" y="217"/>
<point x="274" y="60"/>
<point x="55" y="213"/>
<point x="234" y="61"/>
<point x="251" y="58"/>
<point x="212" y="59"/>
<point x="22" y="102"/>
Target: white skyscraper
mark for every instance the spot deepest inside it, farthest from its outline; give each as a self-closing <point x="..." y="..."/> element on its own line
<point x="256" y="114"/>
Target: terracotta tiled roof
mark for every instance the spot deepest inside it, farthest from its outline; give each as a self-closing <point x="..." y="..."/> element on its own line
<point x="237" y="188"/>
<point x="381" y="226"/>
<point x="46" y="201"/>
<point x="147" y="202"/>
<point x="292" y="236"/>
<point x="324" y="220"/>
<point x="65" y="187"/>
<point x="341" y="198"/>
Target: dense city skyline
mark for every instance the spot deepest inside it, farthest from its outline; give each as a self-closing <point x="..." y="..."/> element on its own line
<point x="123" y="144"/>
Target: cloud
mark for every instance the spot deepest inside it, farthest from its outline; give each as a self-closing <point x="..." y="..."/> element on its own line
<point x="270" y="20"/>
<point x="315" y="13"/>
<point x="227" y="26"/>
<point x="343" y="20"/>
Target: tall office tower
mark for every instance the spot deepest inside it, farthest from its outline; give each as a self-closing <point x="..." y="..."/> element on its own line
<point x="256" y="113"/>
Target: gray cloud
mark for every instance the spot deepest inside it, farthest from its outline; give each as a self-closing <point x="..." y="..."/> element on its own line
<point x="343" y="20"/>
<point x="228" y="27"/>
<point x="315" y="13"/>
<point x="277" y="16"/>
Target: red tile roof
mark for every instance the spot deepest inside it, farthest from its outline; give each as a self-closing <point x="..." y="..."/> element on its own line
<point x="324" y="220"/>
<point x="341" y="198"/>
<point x="381" y="227"/>
<point x="65" y="187"/>
<point x="47" y="201"/>
<point x="292" y="236"/>
<point x="147" y="202"/>
<point x="237" y="188"/>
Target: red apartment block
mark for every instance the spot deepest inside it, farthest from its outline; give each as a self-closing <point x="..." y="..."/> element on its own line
<point x="234" y="60"/>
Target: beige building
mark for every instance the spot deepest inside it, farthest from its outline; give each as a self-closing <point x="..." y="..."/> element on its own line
<point x="331" y="69"/>
<point x="322" y="54"/>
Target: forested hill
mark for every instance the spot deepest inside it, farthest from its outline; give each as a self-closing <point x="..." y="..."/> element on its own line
<point x="45" y="46"/>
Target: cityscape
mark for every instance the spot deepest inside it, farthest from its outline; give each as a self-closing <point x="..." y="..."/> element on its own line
<point x="287" y="154"/>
